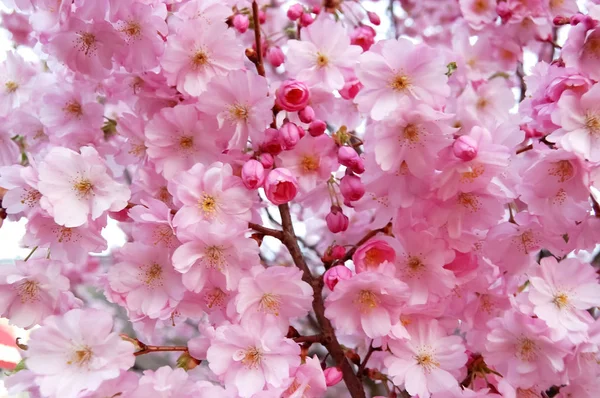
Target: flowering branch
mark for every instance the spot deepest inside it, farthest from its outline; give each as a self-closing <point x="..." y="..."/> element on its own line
<point x="316" y="338"/>
<point x="365" y="238"/>
<point x="363" y="364"/>
<point x="260" y="67"/>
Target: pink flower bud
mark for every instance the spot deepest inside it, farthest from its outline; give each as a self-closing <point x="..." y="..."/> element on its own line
<point x="272" y="141"/>
<point x="280" y="186"/>
<point x="363" y="36"/>
<point x="307" y="114"/>
<point x="266" y="159"/>
<point x="348" y="157"/>
<point x="306" y="19"/>
<point x="352" y="187"/>
<point x="292" y="96"/>
<point x="253" y="174"/>
<point x="290" y="134"/>
<point x="275" y="56"/>
<point x="262" y="16"/>
<point x="317" y="128"/>
<point x="338" y="252"/>
<point x="316" y="10"/>
<point x="333" y="275"/>
<point x="465" y="148"/>
<point x="332" y="376"/>
<point x="350" y="89"/>
<point x="372" y="254"/>
<point x="373" y="18"/>
<point x="295" y="11"/>
<point x="241" y="22"/>
<point x="336" y="220"/>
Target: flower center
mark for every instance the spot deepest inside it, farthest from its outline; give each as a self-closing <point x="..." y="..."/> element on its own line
<point x="239" y="112"/>
<point x="163" y="195"/>
<point x="526" y="241"/>
<point x="11" y="86"/>
<point x="561" y="300"/>
<point x="482" y="103"/>
<point x="415" y="264"/>
<point x="322" y="60"/>
<point x="28" y="291"/>
<point x="469" y="201"/>
<point x="81" y="357"/>
<point x="367" y="300"/>
<point x="480" y="6"/>
<point x="411" y="133"/>
<point x="74" y="108"/>
<point x="374" y="257"/>
<point x="526" y="349"/>
<point x="163" y="233"/>
<point x="64" y="234"/>
<point x="87" y="42"/>
<point x="133" y="29"/>
<point x="215" y="298"/>
<point x="252" y="358"/>
<point x="400" y="83"/>
<point x="31" y="197"/>
<point x="269" y="303"/>
<point x="592" y="123"/>
<point x="200" y="58"/>
<point x="309" y="163"/>
<point x="208" y="205"/>
<point x="592" y="47"/>
<point x="556" y="3"/>
<point x="83" y="188"/>
<point x="562" y="169"/>
<point x="426" y="360"/>
<point x="186" y="142"/>
<point x="214" y="257"/>
<point x="153" y="276"/>
<point x="476" y="171"/>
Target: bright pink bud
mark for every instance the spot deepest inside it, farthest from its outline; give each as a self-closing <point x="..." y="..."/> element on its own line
<point x="465" y="148"/>
<point x="295" y="12"/>
<point x="290" y="134"/>
<point x="503" y="10"/>
<point x="558" y="20"/>
<point x="586" y="19"/>
<point x="338" y="252"/>
<point x="350" y="89"/>
<point x="122" y="215"/>
<point x="348" y="157"/>
<point x="336" y="220"/>
<point x="292" y="95"/>
<point x="253" y="174"/>
<point x="372" y="254"/>
<point x="280" y="186"/>
<point x="316" y="10"/>
<point x="373" y="18"/>
<point x="335" y="274"/>
<point x="352" y="187"/>
<point x="266" y="159"/>
<point x="317" y="128"/>
<point x="363" y="36"/>
<point x="307" y="114"/>
<point x="306" y="19"/>
<point x="241" y="22"/>
<point x="272" y="141"/>
<point x="332" y="376"/>
<point x="275" y="56"/>
<point x="262" y="16"/>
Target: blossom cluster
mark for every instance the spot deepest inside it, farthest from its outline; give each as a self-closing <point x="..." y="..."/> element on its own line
<point x="313" y="206"/>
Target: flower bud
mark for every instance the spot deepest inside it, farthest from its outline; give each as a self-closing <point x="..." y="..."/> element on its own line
<point x="275" y="56"/>
<point x="352" y="187"/>
<point x="307" y="115"/>
<point x="332" y="376"/>
<point x="465" y="148"/>
<point x="295" y="11"/>
<point x="290" y="134"/>
<point x="266" y="159"/>
<point x="272" y="141"/>
<point x="187" y="362"/>
<point x="262" y="16"/>
<point x="316" y="10"/>
<point x="280" y="186"/>
<point x="306" y="19"/>
<point x="317" y="128"/>
<point x="241" y="22"/>
<point x="338" y="252"/>
<point x="336" y="220"/>
<point x="350" y="89"/>
<point x="373" y="18"/>
<point x="292" y="95"/>
<point x="253" y="174"/>
<point x="335" y="274"/>
<point x="348" y="157"/>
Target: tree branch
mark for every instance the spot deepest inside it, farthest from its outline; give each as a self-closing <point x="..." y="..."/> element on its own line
<point x="159" y="348"/>
<point x="368" y="236"/>
<point x="266" y="231"/>
<point x="260" y="66"/>
<point x="363" y="364"/>
<point x="316" y="338"/>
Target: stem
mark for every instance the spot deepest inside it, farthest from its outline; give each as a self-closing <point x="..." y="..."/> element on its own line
<point x="363" y="365"/>
<point x="316" y="338"/>
<point x="30" y="253"/>
<point x="260" y="67"/>
<point x="329" y="339"/>
<point x="266" y="231"/>
<point x="159" y="348"/>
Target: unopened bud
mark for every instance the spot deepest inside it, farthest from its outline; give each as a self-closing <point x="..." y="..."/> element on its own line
<point x="295" y="12"/>
<point x="241" y="22"/>
<point x="333" y="275"/>
<point x="306" y="19"/>
<point x="373" y="18"/>
<point x="187" y="362"/>
<point x="332" y="376"/>
<point x="253" y="174"/>
<point x="465" y="148"/>
<point x="317" y="128"/>
<point x="352" y="187"/>
<point x="275" y="56"/>
<point x="306" y="115"/>
<point x="336" y="220"/>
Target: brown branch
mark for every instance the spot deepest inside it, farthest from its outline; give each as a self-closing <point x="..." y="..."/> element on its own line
<point x="329" y="339"/>
<point x="159" y="348"/>
<point x="521" y="76"/>
<point x="365" y="238"/>
<point x="266" y="231"/>
<point x="363" y="364"/>
<point x="525" y="149"/>
<point x="260" y="66"/>
<point x="595" y="206"/>
<point x="316" y="338"/>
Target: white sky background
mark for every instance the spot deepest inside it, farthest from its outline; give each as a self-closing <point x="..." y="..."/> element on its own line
<point x="12" y="232"/>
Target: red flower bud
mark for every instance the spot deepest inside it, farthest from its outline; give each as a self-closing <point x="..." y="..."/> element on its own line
<point x="280" y="186"/>
<point x="295" y="11"/>
<point x="352" y="187"/>
<point x="465" y="148"/>
<point x="306" y="19"/>
<point x="241" y="22"/>
<point x="292" y="95"/>
<point x="373" y="18"/>
<point x="348" y="157"/>
<point x="317" y="128"/>
<point x="275" y="56"/>
<point x="290" y="134"/>
<point x="336" y="220"/>
<point x="253" y="174"/>
<point x="307" y="114"/>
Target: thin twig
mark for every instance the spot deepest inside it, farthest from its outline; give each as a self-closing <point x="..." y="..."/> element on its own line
<point x="368" y="236"/>
<point x="260" y="66"/>
<point x="363" y="364"/>
<point x="315" y="338"/>
<point x="159" y="348"/>
<point x="266" y="231"/>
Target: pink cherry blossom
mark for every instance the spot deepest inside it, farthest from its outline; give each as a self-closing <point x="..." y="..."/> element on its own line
<point x="322" y="54"/>
<point x="76" y="352"/>
<point x="165" y="382"/>
<point x="251" y="357"/>
<point x="425" y="363"/>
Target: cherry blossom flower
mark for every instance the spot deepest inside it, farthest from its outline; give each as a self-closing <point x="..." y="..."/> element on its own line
<point x="21" y="184"/>
<point x="76" y="352"/>
<point x="75" y="186"/>
<point x="15" y="77"/>
<point x="165" y="382"/>
<point x="250" y="357"/>
<point x="425" y="363"/>
<point x="369" y="301"/>
<point x="322" y="54"/>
